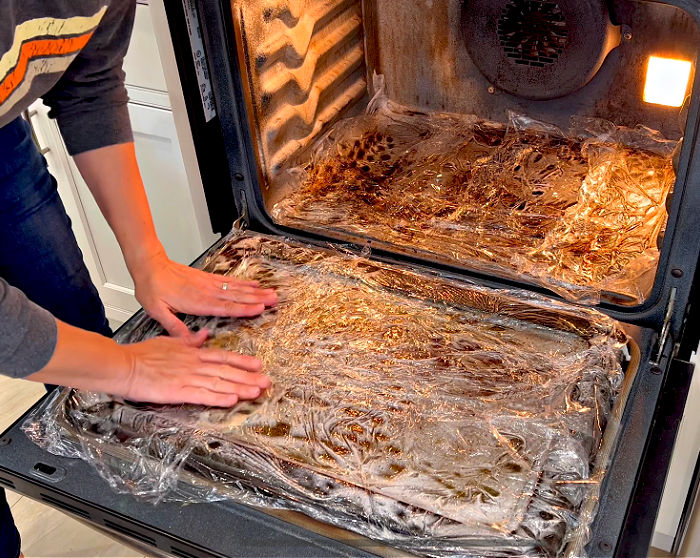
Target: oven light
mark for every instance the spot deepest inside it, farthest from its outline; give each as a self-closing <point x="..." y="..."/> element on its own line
<point x="667" y="81"/>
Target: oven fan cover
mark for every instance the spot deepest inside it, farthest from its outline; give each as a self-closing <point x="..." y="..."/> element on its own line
<point x="538" y="49"/>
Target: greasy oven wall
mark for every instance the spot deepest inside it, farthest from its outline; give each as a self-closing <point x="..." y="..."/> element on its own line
<point x="309" y="63"/>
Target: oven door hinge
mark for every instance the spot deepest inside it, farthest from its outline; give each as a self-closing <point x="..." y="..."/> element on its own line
<point x="240" y="224"/>
<point x="243" y="220"/>
<point x="665" y="334"/>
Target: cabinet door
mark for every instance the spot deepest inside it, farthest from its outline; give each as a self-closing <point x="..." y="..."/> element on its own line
<point x="686" y="453"/>
<point x="168" y="193"/>
<point x="142" y="63"/>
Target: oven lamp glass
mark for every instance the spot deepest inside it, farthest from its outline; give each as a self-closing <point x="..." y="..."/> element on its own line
<point x="667" y="81"/>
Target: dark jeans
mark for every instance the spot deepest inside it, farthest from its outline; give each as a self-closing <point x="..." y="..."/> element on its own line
<point x="39" y="255"/>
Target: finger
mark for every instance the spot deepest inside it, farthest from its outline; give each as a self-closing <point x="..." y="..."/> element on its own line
<point x="268" y="298"/>
<point x="233" y="288"/>
<point x="221" y="385"/>
<point x="237" y="360"/>
<point x="246" y="289"/>
<point x="243" y="310"/>
<point x="197" y="339"/>
<point x="220" y="280"/>
<point x="213" y="307"/>
<point x="246" y="282"/>
<point x="174" y="326"/>
<point x="203" y="396"/>
<point x="230" y="374"/>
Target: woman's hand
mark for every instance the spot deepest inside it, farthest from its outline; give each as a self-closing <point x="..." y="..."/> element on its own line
<point x="164" y="287"/>
<point x="160" y="370"/>
<point x="169" y="370"/>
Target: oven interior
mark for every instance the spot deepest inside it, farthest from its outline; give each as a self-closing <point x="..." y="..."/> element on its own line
<point x="520" y="139"/>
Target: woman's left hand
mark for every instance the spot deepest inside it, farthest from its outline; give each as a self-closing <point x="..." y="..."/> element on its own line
<point x="164" y="287"/>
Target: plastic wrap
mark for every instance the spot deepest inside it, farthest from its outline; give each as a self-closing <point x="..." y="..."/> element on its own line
<point x="578" y="212"/>
<point x="421" y="411"/>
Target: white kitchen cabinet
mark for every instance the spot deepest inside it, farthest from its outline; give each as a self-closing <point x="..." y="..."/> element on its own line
<point x="164" y="177"/>
<point x="680" y="474"/>
<point x="174" y="192"/>
<point x="142" y="65"/>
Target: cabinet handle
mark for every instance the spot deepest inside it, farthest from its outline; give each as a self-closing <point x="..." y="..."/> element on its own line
<point x="28" y="114"/>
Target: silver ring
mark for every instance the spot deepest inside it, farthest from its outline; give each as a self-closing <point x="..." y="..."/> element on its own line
<point x="224" y="287"/>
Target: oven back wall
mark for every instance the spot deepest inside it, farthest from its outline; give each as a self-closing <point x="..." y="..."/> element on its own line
<point x="305" y="69"/>
<point x="421" y="49"/>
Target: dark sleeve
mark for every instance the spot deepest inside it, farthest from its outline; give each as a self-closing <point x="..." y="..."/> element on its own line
<point x="90" y="100"/>
<point x="28" y="334"/>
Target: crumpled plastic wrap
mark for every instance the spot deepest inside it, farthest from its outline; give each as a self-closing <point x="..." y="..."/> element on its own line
<point x="579" y="212"/>
<point x="423" y="412"/>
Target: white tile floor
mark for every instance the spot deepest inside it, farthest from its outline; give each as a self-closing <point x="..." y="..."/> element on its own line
<point x="49" y="533"/>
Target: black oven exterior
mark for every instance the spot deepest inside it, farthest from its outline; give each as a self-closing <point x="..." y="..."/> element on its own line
<point x="632" y="490"/>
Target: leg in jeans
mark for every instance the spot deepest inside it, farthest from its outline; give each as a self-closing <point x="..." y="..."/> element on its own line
<point x="39" y="255"/>
<point x="9" y="537"/>
<point x="38" y="251"/>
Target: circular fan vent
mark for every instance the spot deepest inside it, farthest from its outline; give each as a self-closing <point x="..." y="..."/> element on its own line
<point x="532" y="32"/>
<point x="538" y="49"/>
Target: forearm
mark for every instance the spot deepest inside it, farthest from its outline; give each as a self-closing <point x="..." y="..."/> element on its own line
<point x="86" y="360"/>
<point x="160" y="370"/>
<point x="113" y="176"/>
<point x="162" y="287"/>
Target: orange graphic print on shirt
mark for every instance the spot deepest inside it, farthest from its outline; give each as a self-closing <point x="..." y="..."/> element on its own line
<point x="40" y="46"/>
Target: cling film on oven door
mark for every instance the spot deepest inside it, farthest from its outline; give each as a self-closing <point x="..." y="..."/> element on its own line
<point x="579" y="212"/>
<point x="424" y="412"/>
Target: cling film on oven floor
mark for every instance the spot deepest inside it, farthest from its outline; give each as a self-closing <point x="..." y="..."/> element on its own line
<point x="424" y="412"/>
<point x="579" y="212"/>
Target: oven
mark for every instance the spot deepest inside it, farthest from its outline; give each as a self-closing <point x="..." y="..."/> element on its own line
<point x="528" y="161"/>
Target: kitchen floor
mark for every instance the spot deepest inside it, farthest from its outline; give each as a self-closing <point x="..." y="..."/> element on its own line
<point x="49" y="533"/>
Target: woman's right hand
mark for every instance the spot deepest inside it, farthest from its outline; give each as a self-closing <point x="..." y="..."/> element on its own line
<point x="177" y="370"/>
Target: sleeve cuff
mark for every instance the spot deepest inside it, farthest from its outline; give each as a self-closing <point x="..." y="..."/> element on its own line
<point x="96" y="128"/>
